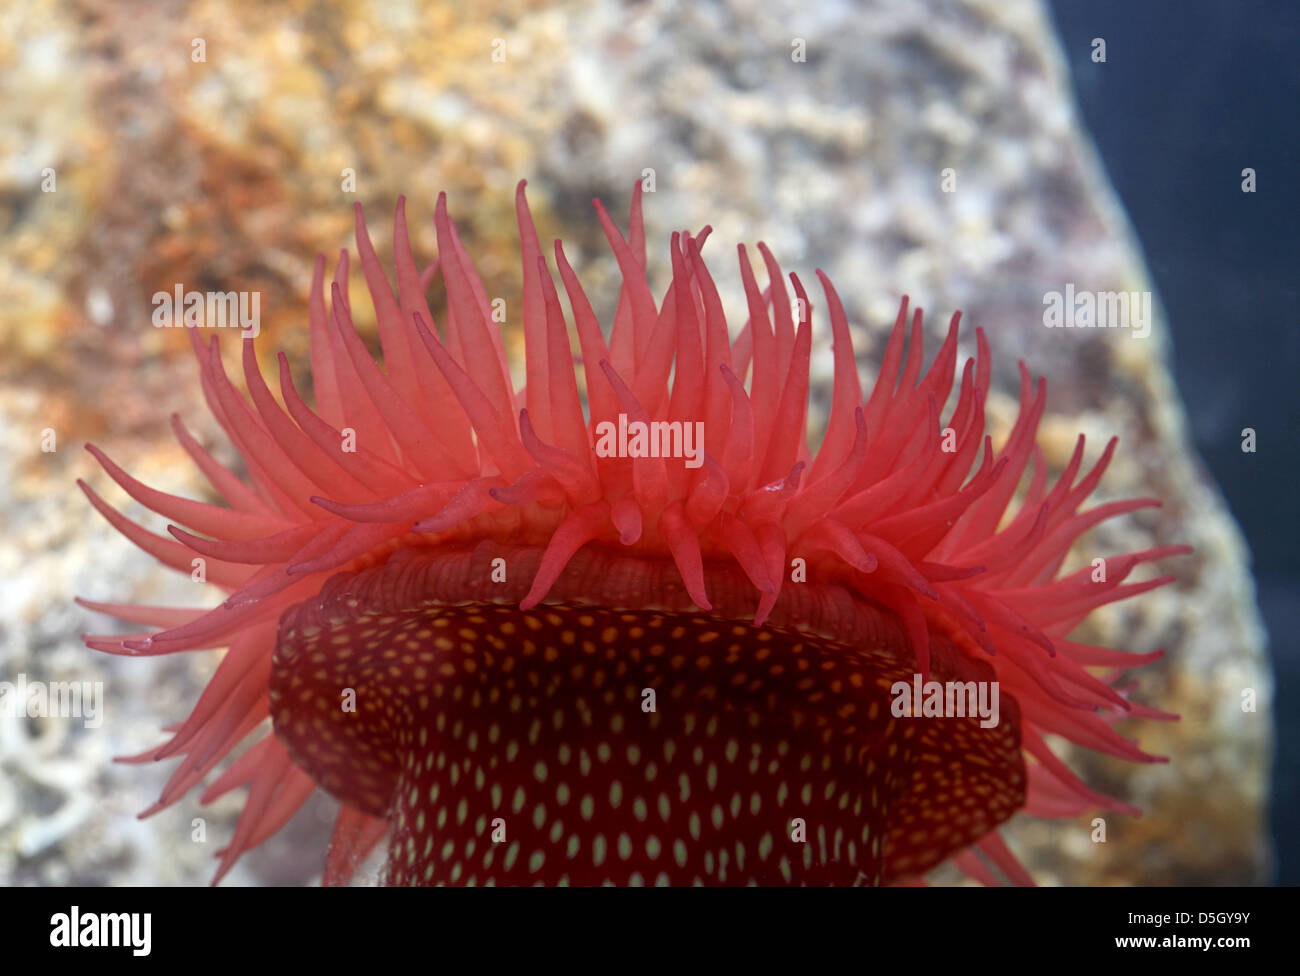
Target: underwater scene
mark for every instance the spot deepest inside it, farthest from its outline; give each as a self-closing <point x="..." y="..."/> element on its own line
<point x="647" y="443"/>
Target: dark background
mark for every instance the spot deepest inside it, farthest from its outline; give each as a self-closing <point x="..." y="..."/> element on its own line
<point x="1191" y="94"/>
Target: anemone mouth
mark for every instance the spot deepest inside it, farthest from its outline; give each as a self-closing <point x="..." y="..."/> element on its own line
<point x="615" y="733"/>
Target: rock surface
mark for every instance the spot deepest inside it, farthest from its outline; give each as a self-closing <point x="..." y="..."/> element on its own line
<point x="227" y="173"/>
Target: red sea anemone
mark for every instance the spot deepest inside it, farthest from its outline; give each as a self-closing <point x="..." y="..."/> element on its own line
<point x="534" y="648"/>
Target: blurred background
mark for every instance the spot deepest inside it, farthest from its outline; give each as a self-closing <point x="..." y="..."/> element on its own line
<point x="1214" y="92"/>
<point x="974" y="155"/>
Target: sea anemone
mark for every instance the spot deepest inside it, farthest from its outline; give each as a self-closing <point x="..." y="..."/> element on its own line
<point x="546" y="636"/>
